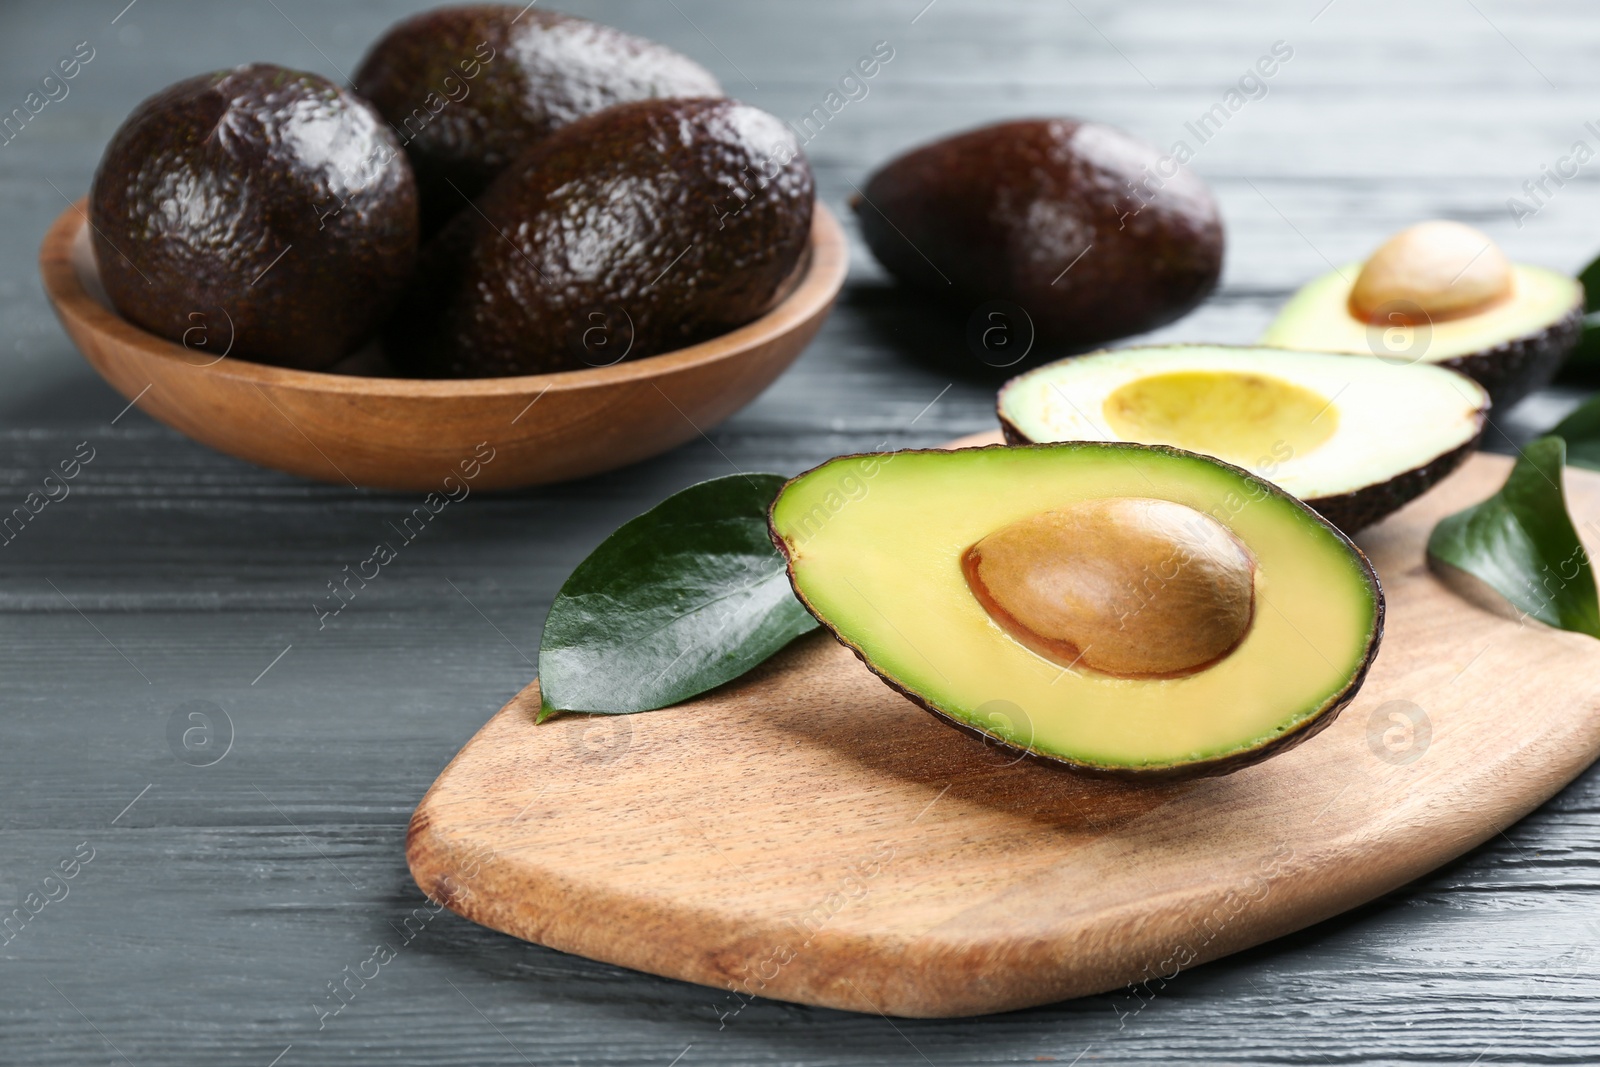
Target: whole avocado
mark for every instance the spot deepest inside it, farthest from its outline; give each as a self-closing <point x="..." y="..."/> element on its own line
<point x="637" y="230"/>
<point x="470" y="88"/>
<point x="267" y="208"/>
<point x="1073" y="221"/>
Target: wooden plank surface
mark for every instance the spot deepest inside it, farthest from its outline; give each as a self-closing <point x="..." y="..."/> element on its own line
<point x="220" y="904"/>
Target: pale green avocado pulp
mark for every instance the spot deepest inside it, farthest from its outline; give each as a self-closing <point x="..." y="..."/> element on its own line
<point x="1315" y="424"/>
<point x="875" y="545"/>
<point x="1318" y="318"/>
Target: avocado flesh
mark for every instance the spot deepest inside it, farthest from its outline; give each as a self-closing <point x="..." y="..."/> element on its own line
<point x="875" y="546"/>
<point x="1511" y="347"/>
<point x="1354" y="438"/>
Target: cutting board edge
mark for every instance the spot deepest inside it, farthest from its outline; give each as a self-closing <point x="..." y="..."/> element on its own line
<point x="437" y="858"/>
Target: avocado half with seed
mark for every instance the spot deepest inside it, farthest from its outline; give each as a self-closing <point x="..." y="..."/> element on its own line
<point x="1354" y="438"/>
<point x="1443" y="293"/>
<point x="1122" y="609"/>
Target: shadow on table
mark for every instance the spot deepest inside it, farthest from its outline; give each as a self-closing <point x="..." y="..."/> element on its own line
<point x="986" y="343"/>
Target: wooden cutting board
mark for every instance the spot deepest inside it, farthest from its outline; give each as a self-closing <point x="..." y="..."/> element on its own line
<point x="809" y="835"/>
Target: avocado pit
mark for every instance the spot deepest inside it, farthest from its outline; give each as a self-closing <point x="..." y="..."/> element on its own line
<point x="1431" y="272"/>
<point x="1126" y="586"/>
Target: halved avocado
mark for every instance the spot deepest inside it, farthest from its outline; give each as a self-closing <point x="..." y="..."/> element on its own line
<point x="1354" y="438"/>
<point x="1443" y="293"/>
<point x="1128" y="610"/>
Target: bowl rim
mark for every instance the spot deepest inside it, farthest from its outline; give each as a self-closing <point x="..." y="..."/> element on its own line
<point x="827" y="262"/>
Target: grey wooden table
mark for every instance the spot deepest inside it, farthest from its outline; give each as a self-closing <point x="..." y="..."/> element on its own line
<point x="225" y="890"/>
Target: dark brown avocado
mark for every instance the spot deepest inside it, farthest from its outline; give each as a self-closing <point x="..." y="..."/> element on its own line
<point x="469" y="89"/>
<point x="266" y="199"/>
<point x="638" y="230"/>
<point x="1070" y="220"/>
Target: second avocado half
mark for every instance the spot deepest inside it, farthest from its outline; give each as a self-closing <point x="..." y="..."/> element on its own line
<point x="1441" y="292"/>
<point x="1354" y="438"/>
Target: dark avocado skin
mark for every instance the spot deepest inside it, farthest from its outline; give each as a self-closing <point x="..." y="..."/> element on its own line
<point x="1002" y="211"/>
<point x="1512" y="370"/>
<point x="469" y="89"/>
<point x="643" y="228"/>
<point x="212" y="180"/>
<point x="1211" y="768"/>
<point x="1352" y="512"/>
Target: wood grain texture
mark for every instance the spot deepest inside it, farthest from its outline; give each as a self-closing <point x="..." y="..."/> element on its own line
<point x="868" y="858"/>
<point x="223" y="902"/>
<point x="406" y="433"/>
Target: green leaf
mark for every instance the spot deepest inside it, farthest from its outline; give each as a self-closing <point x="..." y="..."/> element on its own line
<point x="1521" y="543"/>
<point x="1581" y="431"/>
<point x="1583" y="364"/>
<point x="687" y="596"/>
<point x="1591" y="286"/>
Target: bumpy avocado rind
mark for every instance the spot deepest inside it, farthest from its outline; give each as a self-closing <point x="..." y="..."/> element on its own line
<point x="468" y="89"/>
<point x="1354" y="511"/>
<point x="1511" y="348"/>
<point x="267" y="208"/>
<point x="638" y="230"/>
<point x="874" y="545"/>
<point x="1069" y="220"/>
<point x="1355" y="439"/>
<point x="1512" y="369"/>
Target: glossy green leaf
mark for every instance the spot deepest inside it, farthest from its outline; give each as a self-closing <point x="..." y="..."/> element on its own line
<point x="1581" y="431"/>
<point x="1583" y="365"/>
<point x="687" y="596"/>
<point x="1591" y="286"/>
<point x="1584" y="362"/>
<point x="1521" y="543"/>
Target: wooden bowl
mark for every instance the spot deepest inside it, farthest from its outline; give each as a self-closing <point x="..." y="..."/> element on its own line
<point x="406" y="433"/>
